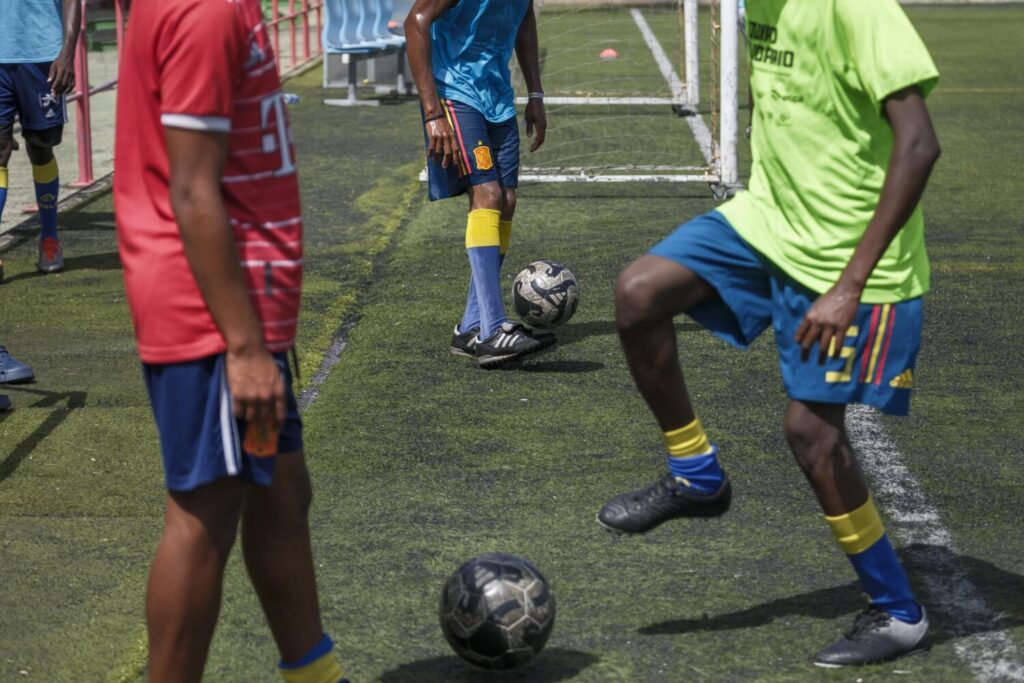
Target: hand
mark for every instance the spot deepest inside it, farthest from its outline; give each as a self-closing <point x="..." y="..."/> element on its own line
<point x="257" y="388"/>
<point x="827" y="321"/>
<point x="62" y="74"/>
<point x="441" y="141"/>
<point x="536" y="120"/>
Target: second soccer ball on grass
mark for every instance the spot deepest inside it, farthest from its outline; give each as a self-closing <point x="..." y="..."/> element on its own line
<point x="545" y="294"/>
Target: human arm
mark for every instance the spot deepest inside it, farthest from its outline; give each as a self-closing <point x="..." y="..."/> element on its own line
<point x="62" y="69"/>
<point x="441" y="140"/>
<point x="197" y="165"/>
<point x="528" y="54"/>
<point x="915" y="150"/>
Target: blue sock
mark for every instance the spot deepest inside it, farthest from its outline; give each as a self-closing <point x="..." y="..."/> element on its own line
<point x="47" y="184"/>
<point x="861" y="535"/>
<point x="484" y="251"/>
<point x="885" y="582"/>
<point x="471" y="316"/>
<point x="703" y="472"/>
<point x="3" y="189"/>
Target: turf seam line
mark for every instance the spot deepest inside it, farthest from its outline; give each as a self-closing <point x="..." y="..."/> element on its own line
<point x="696" y="122"/>
<point x="987" y="649"/>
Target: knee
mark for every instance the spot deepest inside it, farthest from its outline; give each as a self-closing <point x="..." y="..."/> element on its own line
<point x="208" y="539"/>
<point x="635" y="300"/>
<point x="508" y="207"/>
<point x="487" y="196"/>
<point x="39" y="154"/>
<point x="812" y="447"/>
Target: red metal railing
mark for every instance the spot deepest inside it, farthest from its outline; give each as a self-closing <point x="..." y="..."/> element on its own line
<point x="83" y="92"/>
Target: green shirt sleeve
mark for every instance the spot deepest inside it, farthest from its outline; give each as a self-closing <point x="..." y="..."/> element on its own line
<point x="883" y="48"/>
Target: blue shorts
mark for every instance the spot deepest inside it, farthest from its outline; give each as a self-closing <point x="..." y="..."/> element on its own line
<point x="199" y="436"/>
<point x="25" y="92"/>
<point x="876" y="365"/>
<point x="488" y="152"/>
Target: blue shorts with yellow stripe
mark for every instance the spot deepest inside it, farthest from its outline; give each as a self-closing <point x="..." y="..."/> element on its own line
<point x="488" y="152"/>
<point x="876" y="363"/>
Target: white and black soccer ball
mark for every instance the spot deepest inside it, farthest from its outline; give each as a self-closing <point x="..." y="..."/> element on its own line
<point x="497" y="611"/>
<point x="545" y="294"/>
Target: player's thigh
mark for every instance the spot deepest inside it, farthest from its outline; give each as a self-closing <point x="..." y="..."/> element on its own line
<point x="875" y="363"/>
<point x="653" y="287"/>
<point x="206" y="514"/>
<point x="734" y="299"/>
<point x="288" y="496"/>
<point x="38" y="108"/>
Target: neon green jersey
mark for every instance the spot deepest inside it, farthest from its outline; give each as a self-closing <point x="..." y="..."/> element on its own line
<point x="820" y="71"/>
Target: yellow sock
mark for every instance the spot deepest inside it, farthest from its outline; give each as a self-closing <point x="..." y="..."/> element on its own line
<point x="46" y="173"/>
<point x="3" y="177"/>
<point x="504" y="235"/>
<point x="858" y="530"/>
<point x="687" y="441"/>
<point x="482" y="228"/>
<point x="323" y="670"/>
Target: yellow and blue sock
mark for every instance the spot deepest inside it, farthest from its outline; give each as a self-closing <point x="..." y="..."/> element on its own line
<point x="861" y="535"/>
<point x="471" y="316"/>
<point x="3" y="189"/>
<point x="694" y="459"/>
<point x="483" y="246"/>
<point x="316" y="666"/>
<point x="47" y="182"/>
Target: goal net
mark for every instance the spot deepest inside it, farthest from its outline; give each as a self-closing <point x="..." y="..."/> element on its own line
<point x="637" y="91"/>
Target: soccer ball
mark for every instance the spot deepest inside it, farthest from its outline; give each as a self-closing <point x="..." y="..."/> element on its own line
<point x="497" y="611"/>
<point x="545" y="294"/>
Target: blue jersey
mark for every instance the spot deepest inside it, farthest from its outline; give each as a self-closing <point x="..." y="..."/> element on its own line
<point x="472" y="46"/>
<point x="30" y="30"/>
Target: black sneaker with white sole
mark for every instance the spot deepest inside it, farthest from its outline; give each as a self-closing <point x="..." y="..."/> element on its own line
<point x="667" y="498"/>
<point x="876" y="636"/>
<point x="510" y="342"/>
<point x="464" y="343"/>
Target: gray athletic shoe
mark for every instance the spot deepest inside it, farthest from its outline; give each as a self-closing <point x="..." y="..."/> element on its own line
<point x="12" y="370"/>
<point x="510" y="341"/>
<point x="876" y="636"/>
<point x="464" y="343"/>
<point x="51" y="256"/>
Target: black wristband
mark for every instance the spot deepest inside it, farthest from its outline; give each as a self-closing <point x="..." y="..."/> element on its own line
<point x="433" y="118"/>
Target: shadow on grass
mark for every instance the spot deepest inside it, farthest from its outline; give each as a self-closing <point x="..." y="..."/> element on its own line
<point x="50" y="399"/>
<point x="954" y="573"/>
<point x="108" y="260"/>
<point x="550" y="666"/>
<point x="569" y="367"/>
<point x="76" y="221"/>
<point x="576" y="332"/>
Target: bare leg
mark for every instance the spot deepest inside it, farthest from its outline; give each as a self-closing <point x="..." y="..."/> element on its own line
<point x="279" y="557"/>
<point x="648" y="294"/>
<point x="184" y="590"/>
<point x="508" y="203"/>
<point x="817" y="436"/>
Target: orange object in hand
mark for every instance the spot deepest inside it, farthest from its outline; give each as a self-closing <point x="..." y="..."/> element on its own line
<point x="260" y="439"/>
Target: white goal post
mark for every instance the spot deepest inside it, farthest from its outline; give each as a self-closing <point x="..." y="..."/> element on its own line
<point x="718" y="145"/>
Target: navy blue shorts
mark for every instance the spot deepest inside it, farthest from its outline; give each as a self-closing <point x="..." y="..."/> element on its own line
<point x="876" y="363"/>
<point x="488" y="152"/>
<point x="25" y="92"/>
<point x="199" y="436"/>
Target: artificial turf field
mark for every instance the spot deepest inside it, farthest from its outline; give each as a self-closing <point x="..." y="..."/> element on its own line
<point x="420" y="460"/>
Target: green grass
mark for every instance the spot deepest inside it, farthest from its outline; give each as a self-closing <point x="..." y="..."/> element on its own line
<point x="420" y="460"/>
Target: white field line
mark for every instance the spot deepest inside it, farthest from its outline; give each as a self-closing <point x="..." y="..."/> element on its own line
<point x="980" y="643"/>
<point x="696" y="121"/>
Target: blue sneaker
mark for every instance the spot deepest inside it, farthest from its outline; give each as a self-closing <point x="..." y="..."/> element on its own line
<point x="13" y="370"/>
<point x="5" y="403"/>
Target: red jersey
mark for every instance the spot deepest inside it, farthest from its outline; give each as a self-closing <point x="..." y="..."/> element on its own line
<point x="204" y="65"/>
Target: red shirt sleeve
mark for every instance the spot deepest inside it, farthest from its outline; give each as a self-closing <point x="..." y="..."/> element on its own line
<point x="200" y="58"/>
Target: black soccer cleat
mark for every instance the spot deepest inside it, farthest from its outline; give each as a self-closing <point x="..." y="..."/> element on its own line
<point x="640" y="511"/>
<point x="876" y="636"/>
<point x="464" y="343"/>
<point x="510" y="341"/>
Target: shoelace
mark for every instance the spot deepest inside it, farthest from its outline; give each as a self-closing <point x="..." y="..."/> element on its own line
<point x="869" y="620"/>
